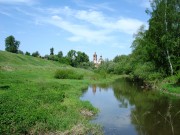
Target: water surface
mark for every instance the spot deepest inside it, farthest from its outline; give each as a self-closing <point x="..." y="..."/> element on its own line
<point x="127" y="109"/>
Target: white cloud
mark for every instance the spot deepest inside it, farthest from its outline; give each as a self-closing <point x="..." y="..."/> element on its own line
<point x="99" y="20"/>
<point x="125" y="25"/>
<point x="80" y="32"/>
<point x="128" y="25"/>
<point x="84" y="25"/>
<point x="93" y="17"/>
<point x="99" y="6"/>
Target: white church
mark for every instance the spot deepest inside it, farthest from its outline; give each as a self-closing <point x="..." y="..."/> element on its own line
<point x="95" y="61"/>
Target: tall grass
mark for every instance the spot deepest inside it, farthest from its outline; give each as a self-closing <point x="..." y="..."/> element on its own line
<point x="67" y="74"/>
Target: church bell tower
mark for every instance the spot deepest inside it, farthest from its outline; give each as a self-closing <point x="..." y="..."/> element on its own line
<point x="95" y="58"/>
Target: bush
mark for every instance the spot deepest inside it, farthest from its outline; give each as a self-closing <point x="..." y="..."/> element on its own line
<point x="27" y="53"/>
<point x="67" y="74"/>
<point x="146" y="72"/>
<point x="20" y="52"/>
<point x="36" y="54"/>
<point x="86" y="65"/>
<point x="103" y="74"/>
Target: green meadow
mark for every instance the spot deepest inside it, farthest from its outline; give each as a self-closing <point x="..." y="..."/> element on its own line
<point x="35" y="100"/>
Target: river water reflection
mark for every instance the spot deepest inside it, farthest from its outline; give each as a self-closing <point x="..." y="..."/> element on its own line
<point x="126" y="109"/>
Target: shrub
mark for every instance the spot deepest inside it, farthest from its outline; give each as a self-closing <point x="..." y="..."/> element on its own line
<point x="20" y="52"/>
<point x="155" y="76"/>
<point x="27" y="53"/>
<point x="68" y="74"/>
<point x="36" y="54"/>
<point x="146" y="71"/>
<point x="103" y="74"/>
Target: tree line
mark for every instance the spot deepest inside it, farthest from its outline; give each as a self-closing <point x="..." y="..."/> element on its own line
<point x="73" y="58"/>
<point x="155" y="51"/>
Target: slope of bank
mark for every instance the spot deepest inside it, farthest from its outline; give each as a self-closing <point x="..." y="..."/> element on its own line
<point x="171" y="85"/>
<point x="32" y="101"/>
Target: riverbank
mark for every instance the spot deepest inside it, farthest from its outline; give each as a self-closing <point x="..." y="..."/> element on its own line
<point x="169" y="85"/>
<point x="33" y="101"/>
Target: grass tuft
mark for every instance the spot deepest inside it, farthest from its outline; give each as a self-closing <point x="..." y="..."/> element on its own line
<point x="68" y="74"/>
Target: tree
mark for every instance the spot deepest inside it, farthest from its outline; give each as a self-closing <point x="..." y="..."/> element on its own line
<point x="119" y="58"/>
<point x="36" y="54"/>
<point x="27" y="53"/>
<point x="76" y="58"/>
<point x="141" y="48"/>
<point x="81" y="57"/>
<point x="11" y="45"/>
<point x="163" y="34"/>
<point x="64" y="60"/>
<point x="122" y="64"/>
<point x="52" y="51"/>
<point x="71" y="55"/>
<point x="60" y="54"/>
<point x="158" y="45"/>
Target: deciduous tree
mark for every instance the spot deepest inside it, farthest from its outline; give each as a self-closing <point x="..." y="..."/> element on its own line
<point x="52" y="51"/>
<point x="11" y="45"/>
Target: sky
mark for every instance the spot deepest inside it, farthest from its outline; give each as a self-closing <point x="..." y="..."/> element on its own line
<point x="102" y="26"/>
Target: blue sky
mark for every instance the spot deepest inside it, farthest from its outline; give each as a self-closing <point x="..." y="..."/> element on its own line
<point x="102" y="26"/>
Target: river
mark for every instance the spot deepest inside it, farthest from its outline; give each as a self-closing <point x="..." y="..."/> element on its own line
<point x="127" y="109"/>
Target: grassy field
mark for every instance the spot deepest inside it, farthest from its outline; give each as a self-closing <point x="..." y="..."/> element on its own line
<point x="33" y="101"/>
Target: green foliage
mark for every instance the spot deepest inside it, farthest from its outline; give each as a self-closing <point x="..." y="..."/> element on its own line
<point x="73" y="58"/>
<point x="68" y="74"/>
<point x="172" y="83"/>
<point x="20" y="52"/>
<point x="123" y="64"/>
<point x="52" y="51"/>
<point x="52" y="57"/>
<point x="163" y="34"/>
<point x="60" y="54"/>
<point x="87" y="65"/>
<point x="81" y="57"/>
<point x="71" y="55"/>
<point x="120" y="58"/>
<point x="64" y="60"/>
<point x="11" y="45"/>
<point x="77" y="58"/>
<point x="178" y="78"/>
<point x="106" y="66"/>
<point x="35" y="54"/>
<point x="146" y="72"/>
<point x="103" y="73"/>
<point x="28" y="53"/>
<point x="154" y="54"/>
<point x="120" y="65"/>
<point x="21" y="113"/>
